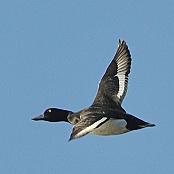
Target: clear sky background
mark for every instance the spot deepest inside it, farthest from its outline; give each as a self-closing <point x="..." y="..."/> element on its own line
<point x="53" y="54"/>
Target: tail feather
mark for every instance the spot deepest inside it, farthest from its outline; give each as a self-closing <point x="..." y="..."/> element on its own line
<point x="147" y="125"/>
<point x="136" y="123"/>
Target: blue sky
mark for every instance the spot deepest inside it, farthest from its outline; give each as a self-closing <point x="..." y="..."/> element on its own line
<point x="53" y="54"/>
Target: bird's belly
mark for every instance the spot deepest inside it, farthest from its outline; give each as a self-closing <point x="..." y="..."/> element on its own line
<point x="111" y="127"/>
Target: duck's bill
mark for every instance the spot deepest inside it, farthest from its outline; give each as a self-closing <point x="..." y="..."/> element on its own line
<point x="40" y="117"/>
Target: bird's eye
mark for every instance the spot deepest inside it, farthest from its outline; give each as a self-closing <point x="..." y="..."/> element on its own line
<point x="49" y="110"/>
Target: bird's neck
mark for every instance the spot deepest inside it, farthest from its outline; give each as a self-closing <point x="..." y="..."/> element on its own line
<point x="64" y="115"/>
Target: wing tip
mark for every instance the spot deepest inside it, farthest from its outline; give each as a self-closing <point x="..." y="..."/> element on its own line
<point x="71" y="138"/>
<point x="121" y="42"/>
<point x="73" y="135"/>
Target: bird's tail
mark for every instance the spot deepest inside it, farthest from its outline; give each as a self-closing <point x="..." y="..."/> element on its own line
<point x="135" y="123"/>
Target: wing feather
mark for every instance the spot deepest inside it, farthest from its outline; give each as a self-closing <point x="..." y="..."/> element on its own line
<point x="87" y="125"/>
<point x="113" y="85"/>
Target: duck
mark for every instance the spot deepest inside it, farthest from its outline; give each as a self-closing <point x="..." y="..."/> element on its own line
<point x="105" y="116"/>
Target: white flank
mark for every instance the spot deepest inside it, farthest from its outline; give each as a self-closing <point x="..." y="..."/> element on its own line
<point x="90" y="128"/>
<point x="112" y="127"/>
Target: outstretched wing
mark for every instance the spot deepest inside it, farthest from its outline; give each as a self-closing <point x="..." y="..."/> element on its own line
<point x="114" y="83"/>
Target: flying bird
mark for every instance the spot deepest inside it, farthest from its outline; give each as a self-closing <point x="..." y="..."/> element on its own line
<point x="105" y="116"/>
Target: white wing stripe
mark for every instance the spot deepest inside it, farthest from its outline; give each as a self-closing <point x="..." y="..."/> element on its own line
<point x="121" y="85"/>
<point x="90" y="128"/>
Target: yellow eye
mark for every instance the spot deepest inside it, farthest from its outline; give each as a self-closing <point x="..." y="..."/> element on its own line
<point x="49" y="110"/>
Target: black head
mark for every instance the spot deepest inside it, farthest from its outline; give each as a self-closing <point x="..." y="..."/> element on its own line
<point x="53" y="115"/>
